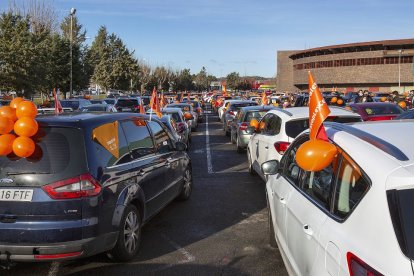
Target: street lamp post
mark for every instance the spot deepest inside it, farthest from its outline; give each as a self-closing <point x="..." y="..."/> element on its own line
<point x="399" y="68"/>
<point x="72" y="13"/>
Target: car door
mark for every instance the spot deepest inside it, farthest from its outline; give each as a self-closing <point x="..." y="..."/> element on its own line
<point x="256" y="145"/>
<point x="306" y="211"/>
<point x="169" y="161"/>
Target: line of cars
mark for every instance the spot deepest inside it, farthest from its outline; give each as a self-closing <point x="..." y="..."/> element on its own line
<point x="351" y="218"/>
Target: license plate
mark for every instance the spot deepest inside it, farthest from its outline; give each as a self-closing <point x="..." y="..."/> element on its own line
<point x="16" y="195"/>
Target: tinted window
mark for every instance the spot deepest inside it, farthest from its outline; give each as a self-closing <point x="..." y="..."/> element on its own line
<point x="162" y="140"/>
<point x="127" y="102"/>
<point x="93" y="108"/>
<point x="405" y="115"/>
<point x="273" y="124"/>
<point x="291" y="170"/>
<point x="138" y="138"/>
<point x="59" y="153"/>
<point x="240" y="105"/>
<point x="176" y="116"/>
<point x="383" y="110"/>
<point x="254" y="115"/>
<point x="110" y="101"/>
<point x="351" y="187"/>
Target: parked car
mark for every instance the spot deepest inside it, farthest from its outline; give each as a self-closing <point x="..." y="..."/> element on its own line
<point x="197" y="107"/>
<point x="355" y="216"/>
<point x="110" y="101"/>
<point x="183" y="126"/>
<point x="98" y="108"/>
<point x="279" y="127"/>
<point x="75" y="104"/>
<point x="171" y="125"/>
<point x="238" y="127"/>
<point x="376" y="111"/>
<point x="91" y="184"/>
<point x="99" y="102"/>
<point x="127" y="105"/>
<point x="193" y="123"/>
<point x="303" y="100"/>
<point x="231" y="112"/>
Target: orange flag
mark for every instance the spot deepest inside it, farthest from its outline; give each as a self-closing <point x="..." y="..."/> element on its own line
<point x="141" y="107"/>
<point x="318" y="111"/>
<point x="107" y="136"/>
<point x="224" y="90"/>
<point x="155" y="104"/>
<point x="264" y="98"/>
<point x="163" y="101"/>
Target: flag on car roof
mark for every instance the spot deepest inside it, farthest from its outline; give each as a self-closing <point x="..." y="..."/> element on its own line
<point x="318" y="111"/>
<point x="58" y="106"/>
<point x="224" y="90"/>
<point x="141" y="106"/>
<point x="155" y="104"/>
<point x="163" y="101"/>
<point x="264" y="98"/>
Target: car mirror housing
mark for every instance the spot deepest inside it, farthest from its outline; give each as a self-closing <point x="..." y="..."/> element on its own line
<point x="180" y="146"/>
<point x="270" y="167"/>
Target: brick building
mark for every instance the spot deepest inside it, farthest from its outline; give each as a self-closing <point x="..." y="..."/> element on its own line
<point x="376" y="66"/>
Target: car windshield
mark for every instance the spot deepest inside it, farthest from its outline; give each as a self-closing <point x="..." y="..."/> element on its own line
<point x="58" y="151"/>
<point x="383" y="110"/>
<point x="93" y="108"/>
<point x="72" y="104"/>
<point x="127" y="102"/>
<point x="295" y="127"/>
<point x="174" y="115"/>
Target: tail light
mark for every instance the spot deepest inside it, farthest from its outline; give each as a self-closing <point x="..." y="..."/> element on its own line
<point x="80" y="186"/>
<point x="231" y="112"/>
<point x="58" y="256"/>
<point x="136" y="107"/>
<point x="243" y="126"/>
<point x="181" y="127"/>
<point x="357" y="267"/>
<point x="281" y="147"/>
<point x="229" y="122"/>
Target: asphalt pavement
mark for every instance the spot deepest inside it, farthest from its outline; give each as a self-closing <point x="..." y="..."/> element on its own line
<point x="221" y="230"/>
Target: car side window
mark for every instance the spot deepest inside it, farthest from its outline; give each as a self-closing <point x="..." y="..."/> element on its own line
<point x="263" y="124"/>
<point x="163" y="142"/>
<point x="291" y="169"/>
<point x="138" y="137"/>
<point x="319" y="185"/>
<point x="351" y="187"/>
<point x="273" y="125"/>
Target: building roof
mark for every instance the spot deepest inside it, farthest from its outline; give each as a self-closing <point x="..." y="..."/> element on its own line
<point x="356" y="47"/>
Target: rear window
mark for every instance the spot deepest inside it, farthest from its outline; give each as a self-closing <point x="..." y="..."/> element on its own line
<point x="59" y="154"/>
<point x="383" y="110"/>
<point x="72" y="104"/>
<point x="254" y="115"/>
<point x="295" y="127"/>
<point x="146" y="101"/>
<point x="240" y="105"/>
<point x="127" y="102"/>
<point x="174" y="115"/>
<point x="93" y="108"/>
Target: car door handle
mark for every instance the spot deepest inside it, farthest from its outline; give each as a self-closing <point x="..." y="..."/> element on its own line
<point x="141" y="172"/>
<point x="282" y="200"/>
<point x="267" y="147"/>
<point x="307" y="229"/>
<point x="257" y="143"/>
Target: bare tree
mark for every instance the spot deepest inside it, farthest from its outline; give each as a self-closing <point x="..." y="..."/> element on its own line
<point x="42" y="14"/>
<point x="144" y="74"/>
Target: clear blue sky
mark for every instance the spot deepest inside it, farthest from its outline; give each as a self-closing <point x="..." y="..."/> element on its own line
<point x="238" y="35"/>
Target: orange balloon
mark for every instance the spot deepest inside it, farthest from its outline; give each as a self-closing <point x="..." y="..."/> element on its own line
<point x="315" y="155"/>
<point x="6" y="143"/>
<point x="8" y="112"/>
<point x="334" y="99"/>
<point x="254" y="123"/>
<point x="6" y="125"/>
<point x="23" y="146"/>
<point x="402" y="104"/>
<point x="26" y="109"/>
<point x="383" y="99"/>
<point x="339" y="102"/>
<point x="262" y="125"/>
<point x="15" y="102"/>
<point x="26" y="126"/>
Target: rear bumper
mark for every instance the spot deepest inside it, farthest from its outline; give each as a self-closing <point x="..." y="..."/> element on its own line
<point x="80" y="248"/>
<point x="244" y="140"/>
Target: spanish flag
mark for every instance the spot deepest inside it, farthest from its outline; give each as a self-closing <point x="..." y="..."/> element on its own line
<point x="264" y="98"/>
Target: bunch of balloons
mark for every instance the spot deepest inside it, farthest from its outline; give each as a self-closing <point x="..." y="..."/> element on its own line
<point x="17" y="125"/>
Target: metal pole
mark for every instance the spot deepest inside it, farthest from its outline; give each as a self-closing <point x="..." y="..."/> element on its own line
<point x="72" y="12"/>
<point x="399" y="69"/>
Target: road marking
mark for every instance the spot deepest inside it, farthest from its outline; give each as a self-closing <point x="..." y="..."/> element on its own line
<point x="209" y="164"/>
<point x="187" y="255"/>
<point x="54" y="269"/>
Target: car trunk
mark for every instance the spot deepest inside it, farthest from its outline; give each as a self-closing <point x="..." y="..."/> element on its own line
<point x="28" y="213"/>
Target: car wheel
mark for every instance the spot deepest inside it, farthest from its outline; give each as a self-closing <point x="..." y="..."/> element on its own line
<point x="239" y="149"/>
<point x="129" y="236"/>
<point x="272" y="240"/>
<point x="233" y="141"/>
<point x="187" y="185"/>
<point x="251" y="170"/>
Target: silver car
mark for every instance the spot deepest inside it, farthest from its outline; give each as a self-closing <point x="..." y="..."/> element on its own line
<point x="193" y="123"/>
<point x="231" y="112"/>
<point x="239" y="125"/>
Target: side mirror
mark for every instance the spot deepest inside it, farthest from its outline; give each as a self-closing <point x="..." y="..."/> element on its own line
<point x="188" y="116"/>
<point x="180" y="146"/>
<point x="250" y="130"/>
<point x="270" y="167"/>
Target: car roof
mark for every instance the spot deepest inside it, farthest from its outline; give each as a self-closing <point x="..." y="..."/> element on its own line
<point x="85" y="120"/>
<point x="303" y="112"/>
<point x="258" y="108"/>
<point x="240" y="101"/>
<point x="171" y="109"/>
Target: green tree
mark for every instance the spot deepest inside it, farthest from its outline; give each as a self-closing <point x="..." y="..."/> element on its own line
<point x="201" y="80"/>
<point x="233" y="80"/>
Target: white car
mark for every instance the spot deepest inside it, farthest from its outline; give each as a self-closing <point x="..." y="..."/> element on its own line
<point x="279" y="127"/>
<point x="355" y="217"/>
<point x="222" y="109"/>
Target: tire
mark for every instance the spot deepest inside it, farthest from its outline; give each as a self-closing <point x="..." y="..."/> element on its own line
<point x="128" y="242"/>
<point x="251" y="170"/>
<point x="187" y="186"/>
<point x="272" y="240"/>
